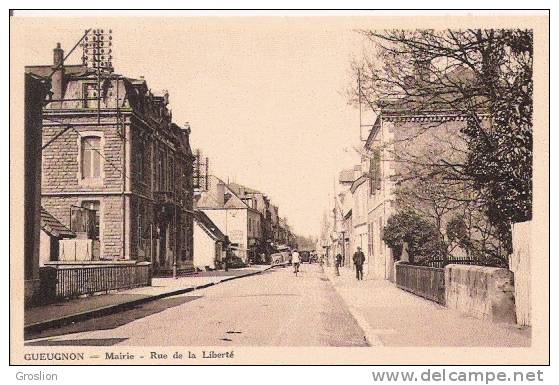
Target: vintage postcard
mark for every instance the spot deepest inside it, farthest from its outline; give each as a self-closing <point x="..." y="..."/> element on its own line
<point x="279" y="188"/>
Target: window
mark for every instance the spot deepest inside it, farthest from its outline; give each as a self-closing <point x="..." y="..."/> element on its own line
<point x="161" y="171"/>
<point x="380" y="234"/>
<point x="140" y="162"/>
<point x="93" y="225"/>
<point x="374" y="171"/>
<point x="170" y="172"/>
<point x="89" y="92"/>
<point x="91" y="157"/>
<point x="370" y="233"/>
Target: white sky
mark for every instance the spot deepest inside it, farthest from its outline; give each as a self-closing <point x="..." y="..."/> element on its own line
<point x="266" y="98"/>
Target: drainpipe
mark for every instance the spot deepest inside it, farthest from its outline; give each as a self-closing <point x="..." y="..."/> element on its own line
<point x="124" y="160"/>
<point x="175" y="251"/>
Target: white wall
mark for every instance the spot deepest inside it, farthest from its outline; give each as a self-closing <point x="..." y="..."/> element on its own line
<point x="520" y="265"/>
<point x="380" y="207"/>
<point x="233" y="223"/>
<point x="44" y="253"/>
<point x="204" y="248"/>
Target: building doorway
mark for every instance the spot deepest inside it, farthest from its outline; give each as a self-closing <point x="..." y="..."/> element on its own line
<point x="162" y="245"/>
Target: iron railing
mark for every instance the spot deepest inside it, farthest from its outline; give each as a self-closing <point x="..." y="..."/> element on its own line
<point x="76" y="279"/>
<point x="424" y="281"/>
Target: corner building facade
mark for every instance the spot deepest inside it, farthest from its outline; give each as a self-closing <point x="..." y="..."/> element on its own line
<point x="115" y="169"/>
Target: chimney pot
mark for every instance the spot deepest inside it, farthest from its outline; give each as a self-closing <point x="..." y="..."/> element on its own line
<point x="58" y="55"/>
<point x="57" y="79"/>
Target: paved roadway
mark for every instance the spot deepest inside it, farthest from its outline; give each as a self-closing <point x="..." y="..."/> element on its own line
<point x="275" y="308"/>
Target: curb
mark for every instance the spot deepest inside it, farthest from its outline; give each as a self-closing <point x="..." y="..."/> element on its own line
<point x="112" y="309"/>
<point x="372" y="338"/>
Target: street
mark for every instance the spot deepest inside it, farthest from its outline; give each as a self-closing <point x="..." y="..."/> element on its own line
<point x="274" y="308"/>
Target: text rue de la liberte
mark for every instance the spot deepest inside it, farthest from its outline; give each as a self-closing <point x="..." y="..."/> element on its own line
<point x="203" y="354"/>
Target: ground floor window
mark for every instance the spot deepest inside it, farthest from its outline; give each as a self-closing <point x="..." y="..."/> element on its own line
<point x="93" y="224"/>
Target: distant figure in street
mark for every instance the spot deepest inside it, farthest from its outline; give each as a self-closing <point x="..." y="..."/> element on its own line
<point x="296" y="261"/>
<point x="338" y="263"/>
<point x="359" y="260"/>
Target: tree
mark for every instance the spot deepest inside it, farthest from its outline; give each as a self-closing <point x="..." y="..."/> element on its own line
<point x="421" y="236"/>
<point x="485" y="76"/>
<point x="305" y="243"/>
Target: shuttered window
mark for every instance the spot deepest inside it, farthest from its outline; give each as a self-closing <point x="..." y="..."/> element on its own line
<point x="370" y="234"/>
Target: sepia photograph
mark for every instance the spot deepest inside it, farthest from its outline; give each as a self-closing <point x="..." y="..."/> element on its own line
<point x="231" y="189"/>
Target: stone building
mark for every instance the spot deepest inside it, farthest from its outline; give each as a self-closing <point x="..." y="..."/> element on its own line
<point x="273" y="215"/>
<point x="36" y="90"/>
<point x="115" y="169"/>
<point x="261" y="203"/>
<point x="402" y="133"/>
<point x="238" y="219"/>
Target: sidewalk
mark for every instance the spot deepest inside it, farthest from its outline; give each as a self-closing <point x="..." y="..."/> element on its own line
<point x="57" y="314"/>
<point x="390" y="316"/>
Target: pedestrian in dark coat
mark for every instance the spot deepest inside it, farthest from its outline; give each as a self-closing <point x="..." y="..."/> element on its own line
<point x="338" y="263"/>
<point x="358" y="261"/>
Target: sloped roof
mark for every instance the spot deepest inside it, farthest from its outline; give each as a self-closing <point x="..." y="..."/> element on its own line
<point x="240" y="190"/>
<point x="208" y="226"/>
<point x="206" y="200"/>
<point x="346" y="176"/>
<point x="46" y="70"/>
<point x="53" y="227"/>
<point x="234" y="202"/>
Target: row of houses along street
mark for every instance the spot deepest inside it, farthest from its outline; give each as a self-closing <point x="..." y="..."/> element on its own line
<point x="120" y="185"/>
<point x="403" y="183"/>
<point x="125" y="218"/>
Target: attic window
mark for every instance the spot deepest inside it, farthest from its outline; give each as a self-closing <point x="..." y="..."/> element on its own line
<point x="89" y="93"/>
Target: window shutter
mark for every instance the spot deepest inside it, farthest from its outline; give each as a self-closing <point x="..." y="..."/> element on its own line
<point x="376" y="169"/>
<point x="371" y="175"/>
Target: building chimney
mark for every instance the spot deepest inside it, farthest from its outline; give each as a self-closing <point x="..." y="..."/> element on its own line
<point x="57" y="79"/>
<point x="58" y="55"/>
<point x="220" y="193"/>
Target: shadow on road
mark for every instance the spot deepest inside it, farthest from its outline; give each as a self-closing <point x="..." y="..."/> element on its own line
<point x="84" y="342"/>
<point x="109" y="321"/>
<point x="265" y="295"/>
<point x="222" y="273"/>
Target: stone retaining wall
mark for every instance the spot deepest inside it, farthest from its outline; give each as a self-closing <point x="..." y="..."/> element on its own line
<point x="481" y="292"/>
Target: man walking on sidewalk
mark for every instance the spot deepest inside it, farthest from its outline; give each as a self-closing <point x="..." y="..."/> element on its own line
<point x="338" y="263"/>
<point x="358" y="261"/>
